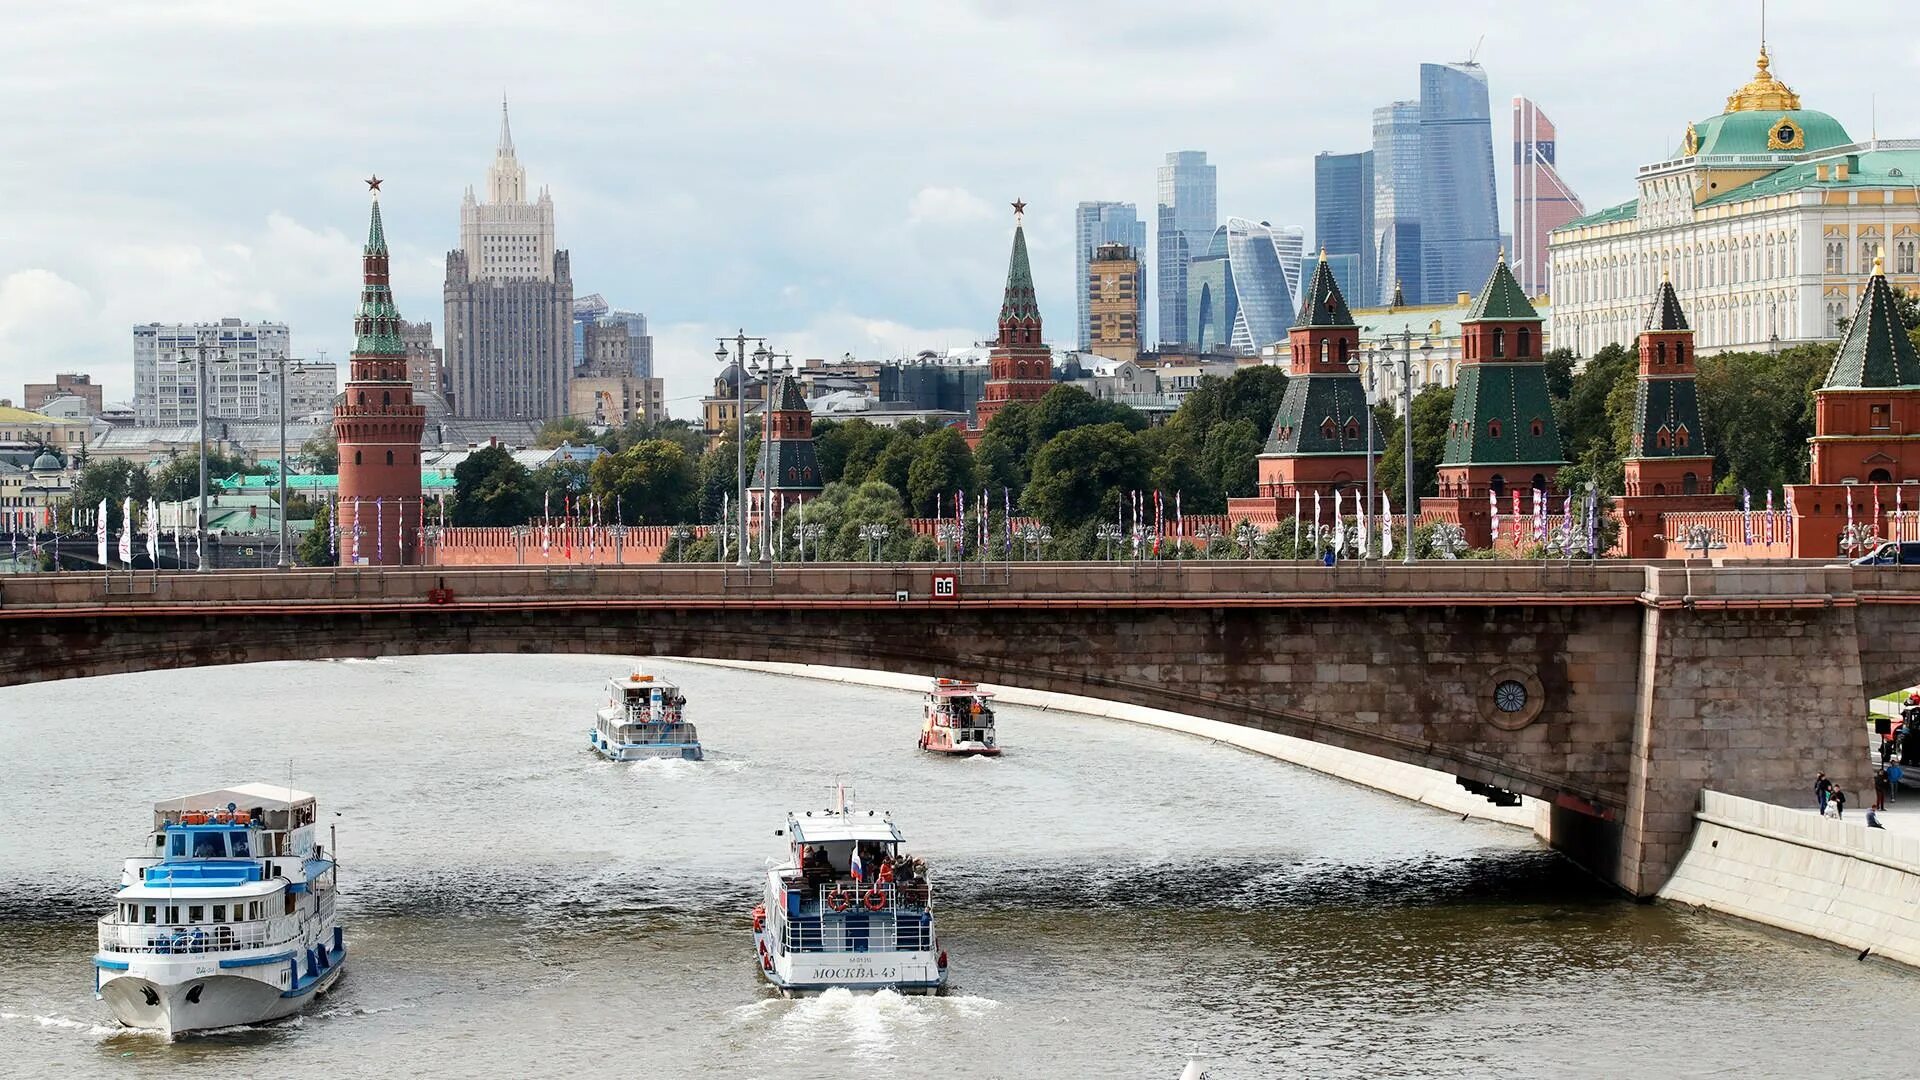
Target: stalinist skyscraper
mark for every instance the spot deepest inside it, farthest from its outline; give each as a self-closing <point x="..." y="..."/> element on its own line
<point x="509" y="330"/>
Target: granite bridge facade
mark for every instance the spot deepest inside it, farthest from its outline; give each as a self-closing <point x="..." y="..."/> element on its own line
<point x="1615" y="692"/>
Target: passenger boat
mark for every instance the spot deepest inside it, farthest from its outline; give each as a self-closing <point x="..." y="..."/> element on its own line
<point x="642" y="720"/>
<point x="958" y="719"/>
<point x="230" y="920"/>
<point x="847" y="909"/>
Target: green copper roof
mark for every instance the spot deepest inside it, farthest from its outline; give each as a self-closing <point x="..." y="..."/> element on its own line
<point x="1876" y="352"/>
<point x="1323" y="305"/>
<point x="379" y="343"/>
<point x="376" y="235"/>
<point x="1867" y="169"/>
<point x="1666" y="313"/>
<point x="1751" y="132"/>
<point x="1320" y="414"/>
<point x="1502" y="300"/>
<point x="1673" y="407"/>
<point x="1626" y="211"/>
<point x="1495" y="410"/>
<point x="1019" y="302"/>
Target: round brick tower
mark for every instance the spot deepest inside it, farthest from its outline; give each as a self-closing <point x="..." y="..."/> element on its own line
<point x="378" y="426"/>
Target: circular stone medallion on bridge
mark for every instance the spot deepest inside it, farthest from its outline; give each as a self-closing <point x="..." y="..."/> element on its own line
<point x="1513" y="699"/>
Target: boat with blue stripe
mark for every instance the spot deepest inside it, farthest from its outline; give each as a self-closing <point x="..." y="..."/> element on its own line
<point x="230" y="920"/>
<point x="642" y="720"/>
<point x="848" y="909"/>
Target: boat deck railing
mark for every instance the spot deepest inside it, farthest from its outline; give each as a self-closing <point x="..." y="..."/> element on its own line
<point x="858" y="930"/>
<point x="162" y="939"/>
<point x="653" y="734"/>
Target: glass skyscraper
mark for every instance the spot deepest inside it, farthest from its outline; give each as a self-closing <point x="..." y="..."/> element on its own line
<point x="1261" y="287"/>
<point x="1096" y="223"/>
<point x="1289" y="243"/>
<point x="1396" y="200"/>
<point x="1343" y="220"/>
<point x="1459" y="210"/>
<point x="1185" y="218"/>
<point x="1212" y="306"/>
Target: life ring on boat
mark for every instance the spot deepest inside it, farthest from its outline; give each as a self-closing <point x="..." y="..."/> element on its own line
<point x="876" y="900"/>
<point x="839" y="899"/>
<point x="943" y="959"/>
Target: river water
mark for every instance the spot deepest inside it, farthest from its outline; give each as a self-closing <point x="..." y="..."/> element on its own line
<point x="1113" y="897"/>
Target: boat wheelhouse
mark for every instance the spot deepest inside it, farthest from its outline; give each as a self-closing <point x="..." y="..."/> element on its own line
<point x="958" y="719"/>
<point x="642" y="719"/>
<point x="229" y="920"/>
<point x="848" y="909"/>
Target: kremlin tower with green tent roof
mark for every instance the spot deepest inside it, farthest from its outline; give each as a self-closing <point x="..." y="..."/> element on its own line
<point x="1502" y="436"/>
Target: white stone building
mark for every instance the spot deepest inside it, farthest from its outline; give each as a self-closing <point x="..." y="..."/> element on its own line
<point x="1766" y="219"/>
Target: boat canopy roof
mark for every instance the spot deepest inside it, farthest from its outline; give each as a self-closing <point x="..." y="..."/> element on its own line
<point x="956" y="688"/>
<point x="638" y="683"/>
<point x="854" y="825"/>
<point x="242" y="796"/>
<point x="210" y="890"/>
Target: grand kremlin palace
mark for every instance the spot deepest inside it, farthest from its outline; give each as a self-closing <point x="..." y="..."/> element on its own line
<point x="1766" y="219"/>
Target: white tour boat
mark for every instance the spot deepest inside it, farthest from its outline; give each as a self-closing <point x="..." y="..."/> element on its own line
<point x="229" y="921"/>
<point x="642" y="720"/>
<point x="848" y="909"/>
<point x="958" y="719"/>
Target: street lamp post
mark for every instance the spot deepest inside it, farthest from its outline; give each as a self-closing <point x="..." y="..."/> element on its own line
<point x="767" y="534"/>
<point x="1035" y="537"/>
<point x="283" y="362"/>
<point x="1366" y="402"/>
<point x="874" y="534"/>
<point x="200" y="403"/>
<point x="740" y="423"/>
<point x="1247" y="533"/>
<point x="1108" y="534"/>
<point x="1207" y="534"/>
<point x="1408" y="376"/>
<point x="804" y="533"/>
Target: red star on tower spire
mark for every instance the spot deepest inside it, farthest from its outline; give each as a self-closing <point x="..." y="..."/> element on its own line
<point x="373" y="183"/>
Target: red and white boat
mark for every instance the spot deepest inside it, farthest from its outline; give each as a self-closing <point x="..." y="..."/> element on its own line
<point x="958" y="719"/>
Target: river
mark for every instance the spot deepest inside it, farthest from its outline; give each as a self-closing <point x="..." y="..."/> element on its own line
<point x="1113" y="898"/>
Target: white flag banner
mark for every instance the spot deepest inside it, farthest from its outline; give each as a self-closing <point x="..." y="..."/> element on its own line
<point x="1339" y="526"/>
<point x="100" y="530"/>
<point x="153" y="533"/>
<point x="126" y="531"/>
<point x="1366" y="524"/>
<point x="1386" y="527"/>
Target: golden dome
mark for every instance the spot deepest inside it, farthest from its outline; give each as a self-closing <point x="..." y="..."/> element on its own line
<point x="1764" y="92"/>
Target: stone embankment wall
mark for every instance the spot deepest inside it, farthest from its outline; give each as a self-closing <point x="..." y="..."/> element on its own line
<point x="1426" y="786"/>
<point x="1834" y="880"/>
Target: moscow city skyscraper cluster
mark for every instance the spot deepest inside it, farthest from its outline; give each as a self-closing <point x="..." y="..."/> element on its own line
<point x="1414" y="219"/>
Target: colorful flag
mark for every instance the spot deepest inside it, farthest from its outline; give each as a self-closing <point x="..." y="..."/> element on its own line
<point x="1539" y="514"/>
<point x="1768" y="524"/>
<point x="1593" y="521"/>
<point x="1316" y="525"/>
<point x="1786" y="522"/>
<point x="126" y="531"/>
<point x="153" y="533"/>
<point x="1159" y="521"/>
<point x="1366" y="525"/>
<point x="1493" y="512"/>
<point x="1006" y="517"/>
<point x="380" y="530"/>
<point x="1746" y="515"/>
<point x="1339" y="525"/>
<point x="1386" y="526"/>
<point x="858" y="867"/>
<point x="1518" y="520"/>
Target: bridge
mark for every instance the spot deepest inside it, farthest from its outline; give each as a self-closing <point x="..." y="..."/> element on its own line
<point x="1614" y="691"/>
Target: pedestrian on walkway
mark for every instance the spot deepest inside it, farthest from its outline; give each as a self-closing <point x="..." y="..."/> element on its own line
<point x="1880" y="787"/>
<point x="1822" y="787"/>
<point x="1839" y="801"/>
<point x="1873" y="822"/>
<point x="1894" y="773"/>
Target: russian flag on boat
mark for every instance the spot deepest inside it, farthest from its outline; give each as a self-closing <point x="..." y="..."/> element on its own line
<point x="859" y="868"/>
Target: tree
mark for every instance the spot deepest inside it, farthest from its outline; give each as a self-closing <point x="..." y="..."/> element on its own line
<point x="942" y="464"/>
<point x="894" y="460"/>
<point x="313" y="543"/>
<point x="179" y="478"/>
<point x="719" y="480"/>
<point x="321" y="453"/>
<point x="492" y="489"/>
<point x="1175" y="464"/>
<point x="1231" y="458"/>
<point x="1079" y="474"/>
<point x="113" y="480"/>
<point x="651" y="483"/>
<point x="565" y="429"/>
<point x="1757" y="408"/>
<point x="846" y="448"/>
<point x="1432" y="412"/>
<point x="1067" y="407"/>
<point x="557" y="481"/>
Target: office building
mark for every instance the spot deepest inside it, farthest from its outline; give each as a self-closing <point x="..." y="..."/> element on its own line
<point x="426" y="364"/>
<point x="1096" y="224"/>
<point x="509" y="300"/>
<point x="1290" y="245"/>
<point x="1459" y="210"/>
<point x="1186" y="215"/>
<point x="1396" y="201"/>
<point x="1343" y="222"/>
<point x="593" y="309"/>
<point x="1542" y="202"/>
<point x="239" y="385"/>
<point x="1112" y="293"/>
<point x="79" y="386"/>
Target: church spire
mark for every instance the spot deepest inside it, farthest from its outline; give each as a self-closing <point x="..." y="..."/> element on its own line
<point x="506" y="133"/>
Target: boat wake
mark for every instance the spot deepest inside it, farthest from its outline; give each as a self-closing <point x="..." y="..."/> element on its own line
<point x="868" y="1021"/>
<point x="84" y="1027"/>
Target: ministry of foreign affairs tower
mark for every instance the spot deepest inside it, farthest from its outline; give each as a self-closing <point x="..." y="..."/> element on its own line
<point x="378" y="426"/>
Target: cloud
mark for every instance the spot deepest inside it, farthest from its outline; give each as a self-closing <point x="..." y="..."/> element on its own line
<point x="946" y="206"/>
<point x="39" y="311"/>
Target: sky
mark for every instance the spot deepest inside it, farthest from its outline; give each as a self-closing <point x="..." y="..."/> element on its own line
<point x="832" y="175"/>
